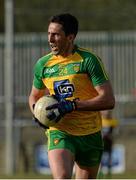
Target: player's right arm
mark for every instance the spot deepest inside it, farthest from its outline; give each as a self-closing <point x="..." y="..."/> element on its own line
<point x="33" y="97"/>
<point x="38" y="88"/>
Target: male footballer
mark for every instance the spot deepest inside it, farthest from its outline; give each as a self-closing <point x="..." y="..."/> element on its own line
<point x="77" y="78"/>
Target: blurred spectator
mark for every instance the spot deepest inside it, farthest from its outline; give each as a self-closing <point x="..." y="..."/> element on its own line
<point x="108" y="124"/>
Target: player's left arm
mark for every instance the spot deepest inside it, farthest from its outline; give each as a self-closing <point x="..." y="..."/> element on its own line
<point x="105" y="97"/>
<point x="103" y="101"/>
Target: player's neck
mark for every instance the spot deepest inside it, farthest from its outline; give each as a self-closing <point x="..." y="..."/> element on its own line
<point x="68" y="51"/>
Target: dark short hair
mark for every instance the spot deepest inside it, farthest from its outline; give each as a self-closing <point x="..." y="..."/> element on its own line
<point x="68" y="22"/>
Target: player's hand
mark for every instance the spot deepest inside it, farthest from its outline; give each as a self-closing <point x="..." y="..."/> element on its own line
<point x="38" y="122"/>
<point x="63" y="106"/>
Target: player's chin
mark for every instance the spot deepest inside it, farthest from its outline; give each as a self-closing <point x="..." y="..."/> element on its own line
<point x="55" y="52"/>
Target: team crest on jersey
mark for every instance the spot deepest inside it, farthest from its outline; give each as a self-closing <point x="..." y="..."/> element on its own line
<point x="76" y="67"/>
<point x="56" y="141"/>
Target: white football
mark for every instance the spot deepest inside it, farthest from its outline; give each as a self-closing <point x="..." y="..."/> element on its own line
<point x="40" y="111"/>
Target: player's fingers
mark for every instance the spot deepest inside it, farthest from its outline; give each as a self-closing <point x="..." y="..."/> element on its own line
<point x="51" y="115"/>
<point x="40" y="124"/>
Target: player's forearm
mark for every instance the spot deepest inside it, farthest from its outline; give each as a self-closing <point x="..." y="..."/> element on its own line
<point x="35" y="95"/>
<point x="32" y="101"/>
<point x="96" y="104"/>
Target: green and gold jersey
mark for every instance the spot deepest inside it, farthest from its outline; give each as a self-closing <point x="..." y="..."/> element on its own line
<point x="72" y="77"/>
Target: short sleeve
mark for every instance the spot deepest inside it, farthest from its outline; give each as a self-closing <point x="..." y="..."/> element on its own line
<point x="96" y="70"/>
<point x="37" y="81"/>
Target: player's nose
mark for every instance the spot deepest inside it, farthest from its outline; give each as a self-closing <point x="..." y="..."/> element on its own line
<point x="51" y="38"/>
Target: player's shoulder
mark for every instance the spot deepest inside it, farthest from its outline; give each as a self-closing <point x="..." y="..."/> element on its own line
<point x="87" y="53"/>
<point x="83" y="51"/>
<point x="44" y="59"/>
<point x="41" y="62"/>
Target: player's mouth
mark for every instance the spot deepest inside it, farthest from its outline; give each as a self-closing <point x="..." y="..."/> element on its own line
<point x="53" y="47"/>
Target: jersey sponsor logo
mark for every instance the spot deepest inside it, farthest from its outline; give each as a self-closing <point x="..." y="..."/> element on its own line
<point x="63" y="89"/>
<point x="66" y="88"/>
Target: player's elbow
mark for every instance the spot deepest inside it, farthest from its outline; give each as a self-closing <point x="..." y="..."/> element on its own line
<point x="111" y="103"/>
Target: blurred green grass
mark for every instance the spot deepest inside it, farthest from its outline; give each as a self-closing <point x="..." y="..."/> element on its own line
<point x="126" y="175"/>
<point x="26" y="176"/>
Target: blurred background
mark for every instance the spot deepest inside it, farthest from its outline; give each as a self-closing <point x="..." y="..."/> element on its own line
<point x="107" y="27"/>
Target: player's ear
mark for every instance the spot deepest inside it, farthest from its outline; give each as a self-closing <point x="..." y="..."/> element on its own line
<point x="71" y="37"/>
